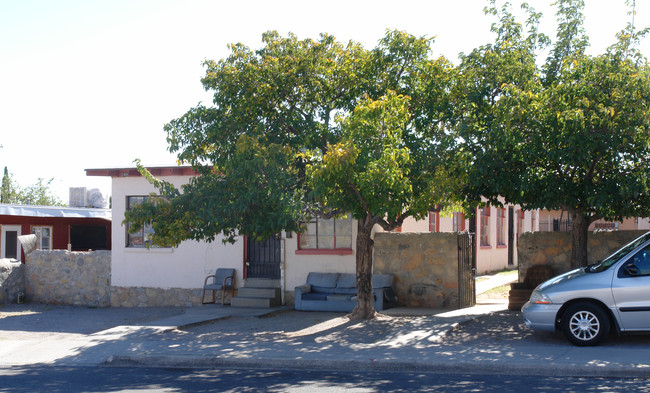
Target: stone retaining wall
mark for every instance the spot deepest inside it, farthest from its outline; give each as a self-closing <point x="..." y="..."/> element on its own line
<point x="554" y="248"/>
<point x="73" y="278"/>
<point x="12" y="281"/>
<point x="425" y="266"/>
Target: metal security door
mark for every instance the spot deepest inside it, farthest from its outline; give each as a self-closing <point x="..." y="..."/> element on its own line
<point x="263" y="258"/>
<point x="466" y="270"/>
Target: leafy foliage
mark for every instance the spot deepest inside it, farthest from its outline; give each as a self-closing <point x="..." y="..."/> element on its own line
<point x="301" y="128"/>
<point x="39" y="193"/>
<point x="572" y="134"/>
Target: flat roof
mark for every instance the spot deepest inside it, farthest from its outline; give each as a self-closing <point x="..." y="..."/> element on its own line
<point x="54" y="211"/>
<point x="181" y="170"/>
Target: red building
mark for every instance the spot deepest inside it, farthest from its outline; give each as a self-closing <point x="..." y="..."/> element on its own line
<point x="56" y="228"/>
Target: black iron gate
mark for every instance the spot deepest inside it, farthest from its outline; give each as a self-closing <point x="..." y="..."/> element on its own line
<point x="263" y="258"/>
<point x="466" y="270"/>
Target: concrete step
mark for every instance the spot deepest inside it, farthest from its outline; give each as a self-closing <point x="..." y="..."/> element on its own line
<point x="269" y="293"/>
<point x="261" y="283"/>
<point x="252" y="302"/>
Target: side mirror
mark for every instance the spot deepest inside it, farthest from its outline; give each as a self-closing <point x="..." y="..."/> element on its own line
<point x="631" y="270"/>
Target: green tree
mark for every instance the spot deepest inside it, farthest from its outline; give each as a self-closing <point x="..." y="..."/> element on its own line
<point x="8" y="194"/>
<point x="303" y="128"/>
<point x="39" y="193"/>
<point x="573" y="134"/>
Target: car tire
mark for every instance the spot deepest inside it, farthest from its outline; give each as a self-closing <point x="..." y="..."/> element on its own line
<point x="585" y="324"/>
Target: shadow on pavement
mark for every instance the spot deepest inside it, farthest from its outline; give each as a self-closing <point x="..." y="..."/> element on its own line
<point x="79" y="320"/>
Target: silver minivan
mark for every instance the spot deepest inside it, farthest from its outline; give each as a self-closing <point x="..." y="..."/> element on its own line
<point x="588" y="302"/>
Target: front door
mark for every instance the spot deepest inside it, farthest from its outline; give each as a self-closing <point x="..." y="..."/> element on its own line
<point x="9" y="244"/>
<point x="263" y="258"/>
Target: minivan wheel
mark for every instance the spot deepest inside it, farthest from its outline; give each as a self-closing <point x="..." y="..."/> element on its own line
<point x="585" y="324"/>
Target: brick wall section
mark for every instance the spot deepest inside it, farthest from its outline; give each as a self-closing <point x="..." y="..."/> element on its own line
<point x="554" y="248"/>
<point x="425" y="266"/>
<point x="73" y="278"/>
<point x="12" y="281"/>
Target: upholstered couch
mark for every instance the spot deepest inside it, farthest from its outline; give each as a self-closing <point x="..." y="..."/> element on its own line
<point x="338" y="292"/>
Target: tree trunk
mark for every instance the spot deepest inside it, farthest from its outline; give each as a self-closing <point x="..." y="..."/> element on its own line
<point x="365" y="308"/>
<point x="580" y="226"/>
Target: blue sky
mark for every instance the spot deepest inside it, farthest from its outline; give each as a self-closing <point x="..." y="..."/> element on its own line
<point x="90" y="84"/>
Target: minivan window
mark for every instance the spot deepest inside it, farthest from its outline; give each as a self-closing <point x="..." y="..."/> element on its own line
<point x="641" y="263"/>
<point x="618" y="255"/>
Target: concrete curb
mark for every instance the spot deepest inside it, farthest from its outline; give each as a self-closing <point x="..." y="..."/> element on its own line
<point x="469" y="367"/>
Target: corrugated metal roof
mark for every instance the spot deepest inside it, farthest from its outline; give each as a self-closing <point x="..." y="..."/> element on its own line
<point x="54" y="211"/>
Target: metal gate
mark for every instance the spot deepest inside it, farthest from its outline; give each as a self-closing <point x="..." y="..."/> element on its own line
<point x="466" y="270"/>
<point x="263" y="258"/>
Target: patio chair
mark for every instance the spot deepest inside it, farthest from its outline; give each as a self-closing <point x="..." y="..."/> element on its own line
<point x="222" y="279"/>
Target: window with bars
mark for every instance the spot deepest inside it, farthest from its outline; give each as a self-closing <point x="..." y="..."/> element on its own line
<point x="501" y="226"/>
<point x="434" y="221"/>
<point x="326" y="234"/>
<point x="485" y="227"/>
<point x="458" y="222"/>
<point x="520" y="222"/>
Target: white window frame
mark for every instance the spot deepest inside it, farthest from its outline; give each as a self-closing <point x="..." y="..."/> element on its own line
<point x="3" y="246"/>
<point x="38" y="231"/>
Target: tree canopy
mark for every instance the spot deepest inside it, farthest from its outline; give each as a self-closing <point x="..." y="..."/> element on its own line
<point x="571" y="134"/>
<point x="39" y="193"/>
<point x="301" y="128"/>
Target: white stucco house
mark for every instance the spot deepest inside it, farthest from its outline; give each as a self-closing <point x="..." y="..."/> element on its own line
<point x="174" y="276"/>
<point x="161" y="276"/>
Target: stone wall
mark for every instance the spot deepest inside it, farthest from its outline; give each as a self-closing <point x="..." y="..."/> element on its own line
<point x="425" y="266"/>
<point x="12" y="281"/>
<point x="554" y="248"/>
<point x="159" y="297"/>
<point x="84" y="279"/>
<point x="73" y="278"/>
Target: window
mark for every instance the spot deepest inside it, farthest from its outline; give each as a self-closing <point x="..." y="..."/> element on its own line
<point x="434" y="222"/>
<point x="520" y="222"/>
<point x="459" y="222"/>
<point x="139" y="239"/>
<point x="326" y="235"/>
<point x="88" y="237"/>
<point x="43" y="237"/>
<point x="501" y="226"/>
<point x="485" y="227"/>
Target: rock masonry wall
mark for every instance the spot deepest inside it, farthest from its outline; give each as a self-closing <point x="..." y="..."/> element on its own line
<point x="425" y="266"/>
<point x="554" y="248"/>
<point x="72" y="278"/>
<point x="158" y="297"/>
<point x="12" y="281"/>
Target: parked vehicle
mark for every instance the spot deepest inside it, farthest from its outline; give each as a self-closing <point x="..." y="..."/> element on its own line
<point x="586" y="303"/>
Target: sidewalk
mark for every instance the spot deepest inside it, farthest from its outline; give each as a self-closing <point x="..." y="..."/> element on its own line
<point x="482" y="339"/>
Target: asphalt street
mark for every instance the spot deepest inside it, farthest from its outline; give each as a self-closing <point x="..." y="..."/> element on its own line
<point x="101" y="379"/>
